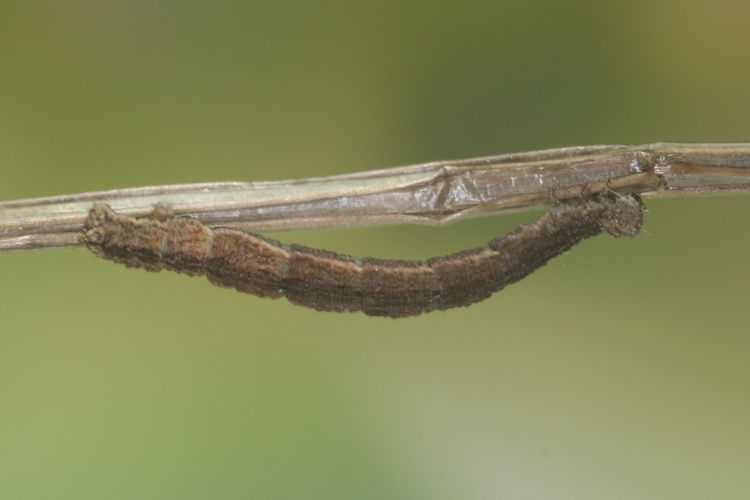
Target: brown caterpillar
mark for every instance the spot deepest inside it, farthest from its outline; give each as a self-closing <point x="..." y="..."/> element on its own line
<point x="329" y="281"/>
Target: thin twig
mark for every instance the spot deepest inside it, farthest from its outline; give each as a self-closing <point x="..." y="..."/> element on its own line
<point x="432" y="193"/>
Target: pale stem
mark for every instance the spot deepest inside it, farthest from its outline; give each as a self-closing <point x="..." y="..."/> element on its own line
<point x="431" y="193"/>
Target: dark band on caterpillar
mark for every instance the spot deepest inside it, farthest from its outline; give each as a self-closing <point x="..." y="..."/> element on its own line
<point x="329" y="281"/>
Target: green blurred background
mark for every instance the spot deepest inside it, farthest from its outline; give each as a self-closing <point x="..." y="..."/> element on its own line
<point x="618" y="371"/>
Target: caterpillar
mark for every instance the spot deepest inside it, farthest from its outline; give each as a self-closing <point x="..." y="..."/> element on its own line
<point x="328" y="281"/>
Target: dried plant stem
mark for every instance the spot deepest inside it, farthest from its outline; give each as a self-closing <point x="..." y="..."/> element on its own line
<point x="431" y="193"/>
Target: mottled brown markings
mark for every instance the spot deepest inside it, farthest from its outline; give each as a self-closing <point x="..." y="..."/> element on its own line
<point x="329" y="281"/>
